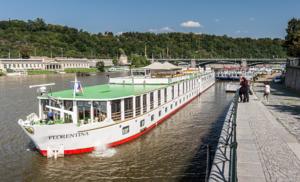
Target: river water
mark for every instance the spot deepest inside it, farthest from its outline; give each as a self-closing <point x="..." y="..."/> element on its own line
<point x="174" y="151"/>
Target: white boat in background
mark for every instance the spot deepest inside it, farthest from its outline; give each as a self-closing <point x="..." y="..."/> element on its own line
<point x="232" y="87"/>
<point x="234" y="75"/>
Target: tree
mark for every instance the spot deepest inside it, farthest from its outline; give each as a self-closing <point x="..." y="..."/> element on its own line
<point x="100" y="66"/>
<point x="292" y="39"/>
<point x="25" y="52"/>
<point x="115" y="61"/>
<point x="138" y="61"/>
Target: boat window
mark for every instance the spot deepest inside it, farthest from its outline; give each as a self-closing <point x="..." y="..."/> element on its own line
<point x="166" y="110"/>
<point x="142" y="123"/>
<point x="173" y="92"/>
<point x="84" y="111"/>
<point x="152" y="117"/>
<point x="137" y="105"/>
<point x="128" y="108"/>
<point x="44" y="103"/>
<point x="116" y="110"/>
<point x="165" y="95"/>
<point x="151" y="100"/>
<point x="125" y="130"/>
<point x="100" y="112"/>
<point x="178" y="89"/>
<point x="68" y="105"/>
<point x="159" y="97"/>
<point x="159" y="113"/>
<point x="144" y="103"/>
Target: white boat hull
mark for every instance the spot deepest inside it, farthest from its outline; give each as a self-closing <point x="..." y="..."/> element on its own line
<point x="69" y="138"/>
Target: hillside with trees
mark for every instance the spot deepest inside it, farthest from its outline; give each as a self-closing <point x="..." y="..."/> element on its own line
<point x="37" y="38"/>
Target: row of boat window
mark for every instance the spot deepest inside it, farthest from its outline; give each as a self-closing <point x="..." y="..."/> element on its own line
<point x="126" y="130"/>
<point x="91" y="111"/>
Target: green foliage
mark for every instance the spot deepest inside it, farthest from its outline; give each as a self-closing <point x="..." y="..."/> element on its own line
<point x="100" y="66"/>
<point x="40" y="72"/>
<point x="138" y="61"/>
<point x="115" y="61"/>
<point x="1" y="73"/>
<point x="81" y="70"/>
<point x="292" y="40"/>
<point x="44" y="39"/>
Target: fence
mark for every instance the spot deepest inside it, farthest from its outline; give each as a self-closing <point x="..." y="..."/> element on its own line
<point x="224" y="167"/>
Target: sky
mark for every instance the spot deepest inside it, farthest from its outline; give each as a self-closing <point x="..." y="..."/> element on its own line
<point x="235" y="18"/>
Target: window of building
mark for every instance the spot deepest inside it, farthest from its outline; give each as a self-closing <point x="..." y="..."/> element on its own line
<point x="125" y="130"/>
<point x="142" y="123"/>
<point x="137" y="105"/>
<point x="159" y="97"/>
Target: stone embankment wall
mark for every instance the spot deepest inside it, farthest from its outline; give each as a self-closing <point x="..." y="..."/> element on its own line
<point x="292" y="77"/>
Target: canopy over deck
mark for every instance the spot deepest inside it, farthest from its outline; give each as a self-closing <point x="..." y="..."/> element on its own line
<point x="166" y="66"/>
<point x="107" y="92"/>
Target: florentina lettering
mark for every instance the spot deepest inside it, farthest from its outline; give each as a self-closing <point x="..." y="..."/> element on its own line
<point x="65" y="136"/>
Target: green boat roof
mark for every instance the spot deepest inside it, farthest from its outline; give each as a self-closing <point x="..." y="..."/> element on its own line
<point x="106" y="92"/>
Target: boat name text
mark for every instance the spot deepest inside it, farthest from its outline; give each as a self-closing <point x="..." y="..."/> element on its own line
<point x="65" y="136"/>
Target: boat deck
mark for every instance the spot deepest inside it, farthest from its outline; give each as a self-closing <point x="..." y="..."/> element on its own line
<point x="106" y="92"/>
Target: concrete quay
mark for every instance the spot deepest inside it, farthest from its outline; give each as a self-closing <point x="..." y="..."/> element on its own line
<point x="266" y="150"/>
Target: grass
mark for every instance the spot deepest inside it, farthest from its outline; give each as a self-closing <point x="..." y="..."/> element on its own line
<point x="81" y="70"/>
<point x="40" y="72"/>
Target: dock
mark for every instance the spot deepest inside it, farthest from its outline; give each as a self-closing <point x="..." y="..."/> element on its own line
<point x="266" y="150"/>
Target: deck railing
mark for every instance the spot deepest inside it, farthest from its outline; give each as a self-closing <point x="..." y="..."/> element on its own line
<point x="116" y="116"/>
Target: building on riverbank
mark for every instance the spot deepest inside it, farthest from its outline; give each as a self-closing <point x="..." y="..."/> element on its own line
<point x="293" y="74"/>
<point x="45" y="63"/>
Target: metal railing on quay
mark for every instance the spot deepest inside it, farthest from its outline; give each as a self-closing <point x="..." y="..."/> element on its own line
<point x="224" y="166"/>
<point x="233" y="141"/>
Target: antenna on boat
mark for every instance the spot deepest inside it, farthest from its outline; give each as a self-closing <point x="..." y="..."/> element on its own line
<point x="42" y="88"/>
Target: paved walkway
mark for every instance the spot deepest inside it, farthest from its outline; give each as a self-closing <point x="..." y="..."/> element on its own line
<point x="266" y="150"/>
<point x="284" y="104"/>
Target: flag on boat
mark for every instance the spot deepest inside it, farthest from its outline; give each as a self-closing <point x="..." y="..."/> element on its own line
<point x="77" y="87"/>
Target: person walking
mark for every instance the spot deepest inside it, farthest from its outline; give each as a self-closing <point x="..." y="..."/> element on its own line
<point x="267" y="91"/>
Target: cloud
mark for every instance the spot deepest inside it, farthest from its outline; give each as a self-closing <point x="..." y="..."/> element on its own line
<point x="191" y="24"/>
<point x="238" y="32"/>
<point x="241" y="31"/>
<point x="217" y="20"/>
<point x="252" y="19"/>
<point x="161" y="30"/>
<point x="119" y="33"/>
<point x="166" y="29"/>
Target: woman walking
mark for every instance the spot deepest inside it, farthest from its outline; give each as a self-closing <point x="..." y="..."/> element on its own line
<point x="267" y="91"/>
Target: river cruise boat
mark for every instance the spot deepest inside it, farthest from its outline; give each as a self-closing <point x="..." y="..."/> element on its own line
<point x="81" y="119"/>
<point x="234" y="75"/>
